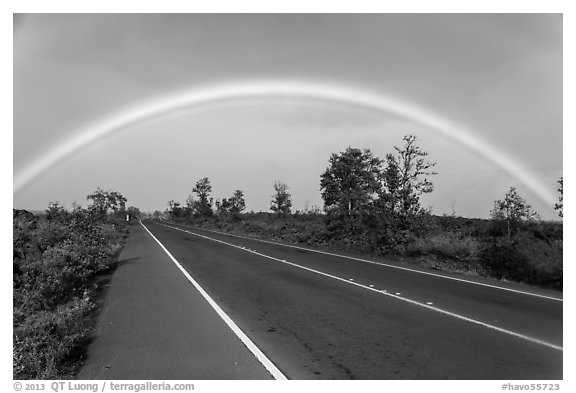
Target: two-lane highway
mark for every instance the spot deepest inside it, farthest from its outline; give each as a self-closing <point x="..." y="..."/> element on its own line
<point x="317" y="315"/>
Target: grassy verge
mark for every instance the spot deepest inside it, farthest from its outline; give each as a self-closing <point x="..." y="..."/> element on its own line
<point x="58" y="258"/>
<point x="533" y="254"/>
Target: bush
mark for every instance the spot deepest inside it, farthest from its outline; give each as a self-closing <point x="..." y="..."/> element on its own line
<point x="56" y="259"/>
<point x="505" y="261"/>
<point x="524" y="259"/>
<point x="447" y="245"/>
<point x="533" y="255"/>
<point x="47" y="343"/>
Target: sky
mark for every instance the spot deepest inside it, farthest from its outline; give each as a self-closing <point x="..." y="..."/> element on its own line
<point x="265" y="97"/>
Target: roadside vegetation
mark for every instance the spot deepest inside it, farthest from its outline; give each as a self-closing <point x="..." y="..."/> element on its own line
<point x="57" y="260"/>
<point x="372" y="208"/>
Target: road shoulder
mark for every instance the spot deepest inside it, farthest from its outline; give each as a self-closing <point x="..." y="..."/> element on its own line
<point x="155" y="325"/>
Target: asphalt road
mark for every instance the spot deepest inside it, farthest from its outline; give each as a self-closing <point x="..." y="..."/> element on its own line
<point x="155" y="325"/>
<point x="319" y="316"/>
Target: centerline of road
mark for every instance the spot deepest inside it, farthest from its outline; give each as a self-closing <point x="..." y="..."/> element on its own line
<point x="350" y="281"/>
<point x="384" y="264"/>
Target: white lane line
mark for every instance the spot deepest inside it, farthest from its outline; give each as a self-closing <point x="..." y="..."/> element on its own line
<point x="395" y="296"/>
<point x="267" y="363"/>
<point x="387" y="265"/>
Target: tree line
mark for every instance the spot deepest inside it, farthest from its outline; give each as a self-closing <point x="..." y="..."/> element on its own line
<point x="373" y="206"/>
<point x="203" y="205"/>
<point x="365" y="197"/>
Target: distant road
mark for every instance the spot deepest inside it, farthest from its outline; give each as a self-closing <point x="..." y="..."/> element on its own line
<point x="321" y="316"/>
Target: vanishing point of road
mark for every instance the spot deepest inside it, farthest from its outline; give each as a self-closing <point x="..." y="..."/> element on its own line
<point x="187" y="303"/>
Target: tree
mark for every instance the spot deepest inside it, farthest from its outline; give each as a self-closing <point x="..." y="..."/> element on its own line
<point x="56" y="211"/>
<point x="405" y="178"/>
<point x="174" y="209"/>
<point x="133" y="212"/>
<point x="560" y="205"/>
<point x="351" y="181"/>
<point x="223" y="207"/>
<point x="203" y="206"/>
<point x="105" y="201"/>
<point x="282" y="200"/>
<point x="237" y="203"/>
<point x="512" y="210"/>
<point x="232" y="206"/>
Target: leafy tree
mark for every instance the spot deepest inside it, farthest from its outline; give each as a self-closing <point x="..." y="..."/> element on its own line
<point x="223" y="207"/>
<point x="190" y="203"/>
<point x="405" y="178"/>
<point x="56" y="211"/>
<point x="560" y="205"/>
<point x="512" y="210"/>
<point x="171" y="204"/>
<point x="203" y="206"/>
<point x="232" y="206"/>
<point x="351" y="182"/>
<point x="282" y="200"/>
<point x="174" y="209"/>
<point x="133" y="212"/>
<point x="237" y="203"/>
<point x="105" y="201"/>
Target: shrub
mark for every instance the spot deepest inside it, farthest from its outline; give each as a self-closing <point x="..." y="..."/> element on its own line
<point x="504" y="260"/>
<point x="447" y="245"/>
<point x="56" y="259"/>
<point x="46" y="342"/>
<point x="533" y="255"/>
<point x="525" y="259"/>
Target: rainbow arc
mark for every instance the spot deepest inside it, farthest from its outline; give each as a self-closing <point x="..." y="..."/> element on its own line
<point x="198" y="97"/>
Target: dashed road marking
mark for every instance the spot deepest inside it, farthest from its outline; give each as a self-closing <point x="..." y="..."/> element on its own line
<point x="383" y="264"/>
<point x="395" y="295"/>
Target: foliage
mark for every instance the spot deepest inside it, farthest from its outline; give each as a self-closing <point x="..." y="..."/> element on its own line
<point x="376" y="207"/>
<point x="281" y="200"/>
<point x="222" y="207"/>
<point x="238" y="204"/>
<point x="203" y="206"/>
<point x="456" y="244"/>
<point x="57" y="257"/>
<point x="373" y="207"/>
<point x="175" y="210"/>
<point x="560" y="205"/>
<point x="106" y="201"/>
<point x="351" y="182"/>
<point x="133" y="212"/>
<point x="524" y="258"/>
<point x="405" y="178"/>
<point x="232" y="206"/>
<point x="509" y="212"/>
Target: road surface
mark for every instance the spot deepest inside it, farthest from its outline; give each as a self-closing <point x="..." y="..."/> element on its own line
<point x="319" y="316"/>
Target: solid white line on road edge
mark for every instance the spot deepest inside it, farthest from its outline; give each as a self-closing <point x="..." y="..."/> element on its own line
<point x="385" y="264"/>
<point x="427" y="306"/>
<point x="267" y="363"/>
